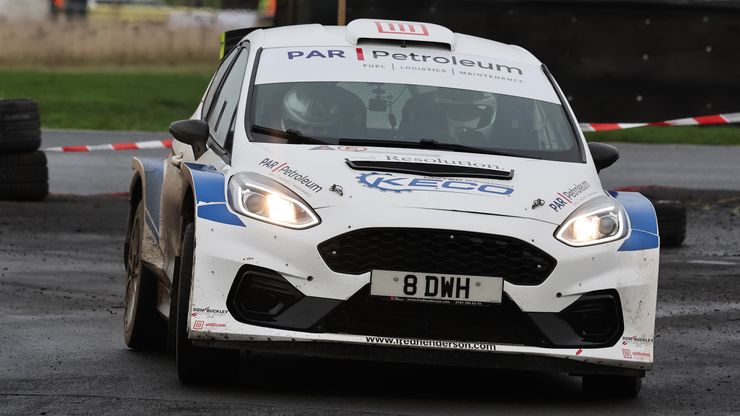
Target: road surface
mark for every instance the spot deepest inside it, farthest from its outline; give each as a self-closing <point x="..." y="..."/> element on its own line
<point x="62" y="349"/>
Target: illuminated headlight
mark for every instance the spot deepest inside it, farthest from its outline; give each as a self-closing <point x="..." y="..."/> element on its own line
<point x="266" y="200"/>
<point x="598" y="221"/>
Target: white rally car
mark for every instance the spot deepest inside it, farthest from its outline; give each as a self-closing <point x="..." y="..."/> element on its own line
<point x="390" y="191"/>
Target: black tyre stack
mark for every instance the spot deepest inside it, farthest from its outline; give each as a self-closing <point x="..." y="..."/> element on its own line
<point x="671" y="222"/>
<point x="24" y="175"/>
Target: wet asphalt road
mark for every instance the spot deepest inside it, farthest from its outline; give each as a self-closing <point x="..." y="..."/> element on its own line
<point x="62" y="349"/>
<point x="684" y="166"/>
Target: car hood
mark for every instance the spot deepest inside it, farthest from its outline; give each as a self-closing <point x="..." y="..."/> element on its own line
<point x="542" y="190"/>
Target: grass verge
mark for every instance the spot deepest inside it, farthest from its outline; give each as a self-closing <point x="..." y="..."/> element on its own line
<point x="713" y="135"/>
<point x="145" y="100"/>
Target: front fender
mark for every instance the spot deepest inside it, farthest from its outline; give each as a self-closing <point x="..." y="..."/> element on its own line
<point x="209" y="194"/>
<point x="643" y="222"/>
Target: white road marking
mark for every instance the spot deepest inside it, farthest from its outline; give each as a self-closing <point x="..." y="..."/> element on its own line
<point x="714" y="262"/>
<point x="681" y="309"/>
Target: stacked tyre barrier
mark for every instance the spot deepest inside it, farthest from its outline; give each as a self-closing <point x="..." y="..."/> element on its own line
<point x="24" y="175"/>
<point x="671" y="222"/>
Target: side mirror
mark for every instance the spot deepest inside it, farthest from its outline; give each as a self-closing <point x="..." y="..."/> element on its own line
<point x="192" y="132"/>
<point x="604" y="155"/>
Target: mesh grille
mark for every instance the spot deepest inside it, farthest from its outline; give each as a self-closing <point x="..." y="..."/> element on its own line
<point x="437" y="251"/>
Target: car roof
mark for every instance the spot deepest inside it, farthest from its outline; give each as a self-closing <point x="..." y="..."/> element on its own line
<point x="362" y="29"/>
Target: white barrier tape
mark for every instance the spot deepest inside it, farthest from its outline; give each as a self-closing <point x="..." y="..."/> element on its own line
<point x="690" y="121"/>
<point x="150" y="144"/>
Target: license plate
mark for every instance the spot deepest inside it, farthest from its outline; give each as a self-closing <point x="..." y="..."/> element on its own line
<point x="432" y="287"/>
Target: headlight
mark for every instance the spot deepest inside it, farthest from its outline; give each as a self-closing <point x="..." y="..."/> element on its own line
<point x="598" y="221"/>
<point x="266" y="200"/>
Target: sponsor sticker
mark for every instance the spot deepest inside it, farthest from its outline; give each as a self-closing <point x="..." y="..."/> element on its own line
<point x="198" y="325"/>
<point x="388" y="182"/>
<point x="283" y="169"/>
<point x="639" y="341"/>
<point x="441" y="161"/>
<point x="401" y="28"/>
<point x="569" y="196"/>
<point x="404" y="66"/>
<point x="208" y="312"/>
<point x="342" y="148"/>
<point x="627" y="353"/>
<point x="452" y="345"/>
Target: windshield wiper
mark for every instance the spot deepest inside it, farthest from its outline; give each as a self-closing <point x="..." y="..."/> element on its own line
<point x="455" y="147"/>
<point x="291" y="135"/>
<point x="429" y="144"/>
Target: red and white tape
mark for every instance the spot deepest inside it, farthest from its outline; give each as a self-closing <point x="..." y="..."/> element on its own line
<point x="690" y="121"/>
<point x="150" y="144"/>
<point x="586" y="127"/>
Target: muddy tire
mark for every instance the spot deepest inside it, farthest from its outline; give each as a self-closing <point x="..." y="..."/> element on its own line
<point x="196" y="364"/>
<point x="143" y="328"/>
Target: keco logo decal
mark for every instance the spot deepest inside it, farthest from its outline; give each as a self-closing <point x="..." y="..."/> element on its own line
<point x="387" y="182"/>
<point x="401" y="28"/>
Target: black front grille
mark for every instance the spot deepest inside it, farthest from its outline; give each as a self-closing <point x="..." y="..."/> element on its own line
<point x="437" y="251"/>
<point x="363" y="314"/>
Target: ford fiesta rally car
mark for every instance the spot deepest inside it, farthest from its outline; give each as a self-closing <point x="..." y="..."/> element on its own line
<point x="390" y="191"/>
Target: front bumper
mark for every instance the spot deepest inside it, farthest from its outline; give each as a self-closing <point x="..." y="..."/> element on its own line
<point x="223" y="250"/>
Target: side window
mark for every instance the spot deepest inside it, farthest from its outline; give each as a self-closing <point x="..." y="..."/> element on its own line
<point x="222" y="112"/>
<point x="216" y="82"/>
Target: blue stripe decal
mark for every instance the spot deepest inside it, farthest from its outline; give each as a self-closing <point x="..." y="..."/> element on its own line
<point x="219" y="213"/>
<point x="209" y="183"/>
<point x="643" y="221"/>
<point x="640" y="240"/>
<point x="210" y="194"/>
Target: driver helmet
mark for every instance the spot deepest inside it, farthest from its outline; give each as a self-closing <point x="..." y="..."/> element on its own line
<point x="312" y="110"/>
<point x="467" y="111"/>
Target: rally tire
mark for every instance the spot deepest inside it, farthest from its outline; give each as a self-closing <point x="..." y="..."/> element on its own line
<point x="16" y="160"/>
<point x="196" y="364"/>
<point x="19" y="105"/>
<point x="16" y="117"/>
<point x="23" y="174"/>
<point x="20" y="125"/>
<point x="624" y="387"/>
<point x="29" y="191"/>
<point x="671" y="222"/>
<point x="143" y="328"/>
<point x="10" y="127"/>
<point x="23" y="141"/>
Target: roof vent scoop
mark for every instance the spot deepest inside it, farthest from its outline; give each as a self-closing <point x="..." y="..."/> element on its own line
<point x="401" y="31"/>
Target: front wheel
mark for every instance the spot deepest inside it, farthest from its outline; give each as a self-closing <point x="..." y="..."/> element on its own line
<point x="626" y="387"/>
<point x="195" y="364"/>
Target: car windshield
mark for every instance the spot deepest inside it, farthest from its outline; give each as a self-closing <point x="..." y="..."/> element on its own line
<point x="410" y="115"/>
